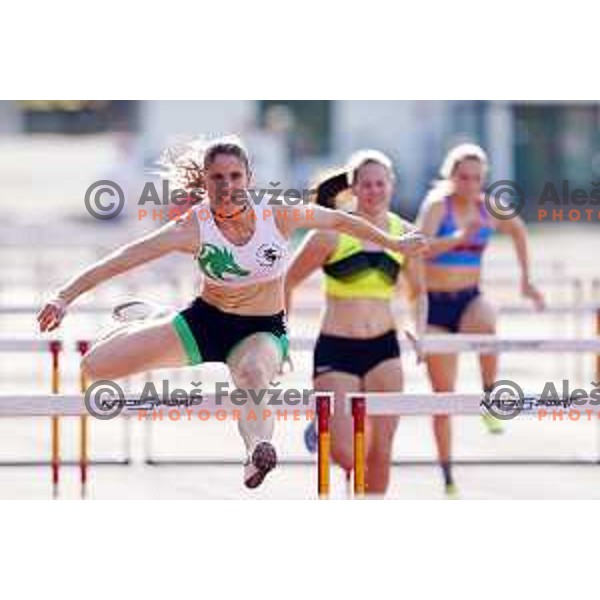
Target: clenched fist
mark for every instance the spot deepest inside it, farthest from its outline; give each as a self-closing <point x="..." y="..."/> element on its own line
<point x="51" y="315"/>
<point x="412" y="244"/>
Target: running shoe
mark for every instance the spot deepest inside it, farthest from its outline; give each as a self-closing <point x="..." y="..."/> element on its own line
<point x="492" y="424"/>
<point x="256" y="468"/>
<point x="451" y="491"/>
<point x="138" y="310"/>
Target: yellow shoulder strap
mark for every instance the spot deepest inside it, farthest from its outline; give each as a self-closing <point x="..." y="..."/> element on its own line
<point x="396" y="226"/>
<point x="346" y="245"/>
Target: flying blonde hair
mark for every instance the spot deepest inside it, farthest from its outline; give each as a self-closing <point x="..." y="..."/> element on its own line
<point x="183" y="163"/>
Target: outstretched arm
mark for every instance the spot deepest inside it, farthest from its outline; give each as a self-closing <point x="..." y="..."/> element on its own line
<point x="517" y="230"/>
<point x="311" y="255"/>
<point x="179" y="236"/>
<point x="318" y="217"/>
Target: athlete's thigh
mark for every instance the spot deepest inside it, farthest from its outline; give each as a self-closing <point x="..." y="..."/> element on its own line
<point x="153" y="345"/>
<point x="479" y="317"/>
<point x="387" y="376"/>
<point x="442" y="368"/>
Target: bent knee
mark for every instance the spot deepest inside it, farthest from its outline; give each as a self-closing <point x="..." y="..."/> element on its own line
<point x="251" y="373"/>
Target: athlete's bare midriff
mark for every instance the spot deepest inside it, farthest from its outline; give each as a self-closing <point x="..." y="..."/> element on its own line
<point x="444" y="279"/>
<point x="265" y="298"/>
<point x="357" y="318"/>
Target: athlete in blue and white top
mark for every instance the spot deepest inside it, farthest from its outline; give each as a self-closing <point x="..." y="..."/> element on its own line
<point x="242" y="249"/>
<point x="460" y="226"/>
<point x="468" y="251"/>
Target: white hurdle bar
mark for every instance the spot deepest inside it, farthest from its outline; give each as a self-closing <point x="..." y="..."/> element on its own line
<point x="362" y="405"/>
<point x="35" y="345"/>
<point x="507" y="309"/>
<point x="442" y="403"/>
<point x="433" y="344"/>
<point x="484" y="344"/>
<point x="390" y="403"/>
<point x="73" y="405"/>
<point x="466" y="404"/>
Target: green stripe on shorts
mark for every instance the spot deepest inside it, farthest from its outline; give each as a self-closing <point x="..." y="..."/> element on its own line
<point x="282" y="343"/>
<point x="187" y="340"/>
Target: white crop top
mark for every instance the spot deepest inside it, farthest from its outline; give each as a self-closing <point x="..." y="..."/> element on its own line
<point x="263" y="258"/>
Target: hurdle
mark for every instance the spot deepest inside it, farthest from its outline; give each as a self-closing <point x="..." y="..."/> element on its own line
<point x="56" y="350"/>
<point x="435" y="344"/>
<point x="575" y="309"/>
<point x="59" y="406"/>
<point x="315" y="307"/>
<point x="484" y="344"/>
<point x="361" y="405"/>
<point x="439" y="344"/>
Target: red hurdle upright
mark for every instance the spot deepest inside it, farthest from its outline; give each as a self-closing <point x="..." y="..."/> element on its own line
<point x="55" y="349"/>
<point x="323" y="417"/>
<point x="359" y="414"/>
<point x="83" y="346"/>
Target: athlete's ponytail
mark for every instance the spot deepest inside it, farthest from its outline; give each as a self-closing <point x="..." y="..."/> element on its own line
<point x="335" y="188"/>
<point x="330" y="187"/>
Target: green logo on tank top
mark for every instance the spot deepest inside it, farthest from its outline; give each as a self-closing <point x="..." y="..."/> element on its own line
<point x="217" y="262"/>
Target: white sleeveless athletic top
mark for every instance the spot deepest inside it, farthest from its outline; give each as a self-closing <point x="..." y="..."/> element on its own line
<point x="263" y="258"/>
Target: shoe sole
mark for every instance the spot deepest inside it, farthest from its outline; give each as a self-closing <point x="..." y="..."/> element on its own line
<point x="264" y="458"/>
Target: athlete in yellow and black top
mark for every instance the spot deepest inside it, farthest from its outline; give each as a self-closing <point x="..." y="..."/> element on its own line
<point x="353" y="273"/>
<point x="357" y="349"/>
